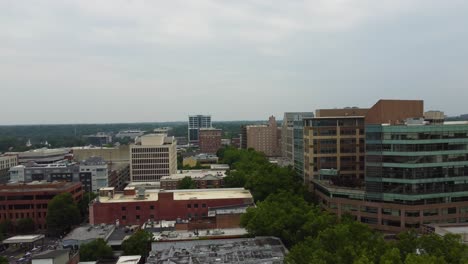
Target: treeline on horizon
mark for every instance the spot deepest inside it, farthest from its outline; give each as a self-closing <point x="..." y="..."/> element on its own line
<point x="15" y="137"/>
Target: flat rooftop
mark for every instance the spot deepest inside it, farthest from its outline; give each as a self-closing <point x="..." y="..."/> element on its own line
<point x="23" y="239"/>
<point x="265" y="250"/>
<point x="88" y="233"/>
<point x="194" y="174"/>
<point x="191" y="194"/>
<point x="36" y="186"/>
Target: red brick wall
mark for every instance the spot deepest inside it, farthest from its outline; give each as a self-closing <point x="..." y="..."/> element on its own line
<point x="163" y="209"/>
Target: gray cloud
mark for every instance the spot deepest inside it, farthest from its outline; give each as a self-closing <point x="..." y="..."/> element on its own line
<point x="125" y="61"/>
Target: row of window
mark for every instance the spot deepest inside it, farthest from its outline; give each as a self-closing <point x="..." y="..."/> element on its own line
<point x="397" y="212"/>
<point x="11" y="216"/>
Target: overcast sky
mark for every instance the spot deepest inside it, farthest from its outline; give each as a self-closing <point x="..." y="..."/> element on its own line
<point x="127" y="61"/>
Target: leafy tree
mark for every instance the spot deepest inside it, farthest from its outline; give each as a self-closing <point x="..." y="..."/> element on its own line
<point x="95" y="250"/>
<point x="3" y="260"/>
<point x="347" y="243"/>
<point x="423" y="259"/>
<point x="5" y="227"/>
<point x="287" y="216"/>
<point x="138" y="243"/>
<point x="187" y="183"/>
<point x="83" y="204"/>
<point x="62" y="214"/>
<point x="25" y="225"/>
<point x="391" y="256"/>
<point x="235" y="179"/>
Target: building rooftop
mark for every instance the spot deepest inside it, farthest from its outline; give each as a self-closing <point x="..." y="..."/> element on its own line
<point x="51" y="254"/>
<point x="128" y="260"/>
<point x="192" y="194"/>
<point x="84" y="234"/>
<point x="265" y="250"/>
<point x="36" y="186"/>
<point x="23" y="239"/>
<point x="195" y="174"/>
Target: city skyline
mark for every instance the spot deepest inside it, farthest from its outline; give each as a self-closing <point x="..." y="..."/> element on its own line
<point x="124" y="62"/>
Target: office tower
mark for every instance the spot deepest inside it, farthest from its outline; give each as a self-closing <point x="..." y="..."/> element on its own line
<point x="153" y="156"/>
<point x="194" y="124"/>
<point x="7" y="162"/>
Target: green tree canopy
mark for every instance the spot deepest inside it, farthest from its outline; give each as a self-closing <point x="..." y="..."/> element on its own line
<point x="138" y="244"/>
<point x="62" y="214"/>
<point x="287" y="216"/>
<point x="95" y="250"/>
<point x="25" y="226"/>
<point x="187" y="183"/>
<point x="3" y="260"/>
<point x="347" y="242"/>
<point x="83" y="204"/>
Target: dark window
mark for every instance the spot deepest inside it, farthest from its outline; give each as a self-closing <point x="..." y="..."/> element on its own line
<point x="123" y="208"/>
<point x="195" y="205"/>
<point x="124" y="217"/>
<point x="137" y="217"/>
<point x="189" y="206"/>
<point x="152" y="207"/>
<point x="203" y="205"/>
<point x="137" y="207"/>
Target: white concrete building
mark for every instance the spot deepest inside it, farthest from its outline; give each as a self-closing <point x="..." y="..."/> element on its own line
<point x="94" y="174"/>
<point x="154" y="156"/>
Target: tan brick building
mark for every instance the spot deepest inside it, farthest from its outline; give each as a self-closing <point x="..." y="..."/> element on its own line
<point x="263" y="138"/>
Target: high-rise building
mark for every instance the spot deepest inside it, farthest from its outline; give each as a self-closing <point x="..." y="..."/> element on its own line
<point x="194" y="124"/>
<point x="336" y="143"/>
<point x="287" y="132"/>
<point x="153" y="157"/>
<point x="263" y="138"/>
<point x="415" y="170"/>
<point x="209" y="140"/>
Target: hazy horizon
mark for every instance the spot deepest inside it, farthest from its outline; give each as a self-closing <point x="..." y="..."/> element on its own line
<point x="94" y="62"/>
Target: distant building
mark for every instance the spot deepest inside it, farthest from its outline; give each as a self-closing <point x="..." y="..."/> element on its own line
<point x="210" y="140"/>
<point x="119" y="154"/>
<point x="43" y="155"/>
<point x="263" y="138"/>
<point x="99" y="139"/>
<point x="32" y="203"/>
<point x="196" y="122"/>
<point x="94" y="174"/>
<point x="236" y="142"/>
<point x="203" y="159"/>
<point x="181" y="141"/>
<point x="63" y="171"/>
<point x="119" y="175"/>
<point x="7" y="162"/>
<point x="162" y="130"/>
<point x="154" y="156"/>
<point x="203" y="178"/>
<point x="130" y="134"/>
